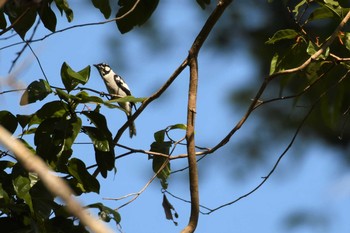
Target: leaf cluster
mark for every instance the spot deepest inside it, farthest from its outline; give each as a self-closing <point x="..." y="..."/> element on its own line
<point x="55" y="127"/>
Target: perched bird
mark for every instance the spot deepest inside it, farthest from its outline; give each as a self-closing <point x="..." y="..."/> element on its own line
<point x="118" y="88"/>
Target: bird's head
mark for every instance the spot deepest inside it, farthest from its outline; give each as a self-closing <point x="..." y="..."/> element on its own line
<point x="103" y="68"/>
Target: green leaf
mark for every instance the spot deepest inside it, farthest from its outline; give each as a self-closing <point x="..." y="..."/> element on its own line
<point x="312" y="49"/>
<point x="9" y="121"/>
<point x="55" y="136"/>
<point x="285" y="34"/>
<point x="27" y="18"/>
<point x="159" y="136"/>
<point x="177" y="126"/>
<point x="273" y="65"/>
<point x="321" y="13"/>
<point x="104" y="210"/>
<point x="296" y="10"/>
<point x="37" y="90"/>
<point x="42" y="200"/>
<point x="3" y="22"/>
<point x="127" y="99"/>
<point x="63" y="6"/>
<point x="98" y="138"/>
<point x="83" y="97"/>
<point x="163" y="147"/>
<point x="103" y="6"/>
<point x="23" y="120"/>
<point x="203" y="3"/>
<point x="78" y="170"/>
<point x="71" y="78"/>
<point x="134" y="13"/>
<point x="74" y="125"/>
<point x="104" y="151"/>
<point x="346" y="40"/>
<point x="22" y="187"/>
<point x="105" y="161"/>
<point x="100" y="122"/>
<point x="4" y="196"/>
<point x="168" y="209"/>
<point x="47" y="16"/>
<point x="63" y="95"/>
<point x="50" y="110"/>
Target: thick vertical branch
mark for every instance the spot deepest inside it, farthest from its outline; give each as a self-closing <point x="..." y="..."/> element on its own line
<point x="192" y="160"/>
<point x="191" y="111"/>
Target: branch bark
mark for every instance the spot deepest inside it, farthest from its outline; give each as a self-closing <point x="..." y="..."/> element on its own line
<point x="191" y="112"/>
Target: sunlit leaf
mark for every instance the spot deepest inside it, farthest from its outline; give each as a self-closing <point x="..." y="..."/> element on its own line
<point x="71" y="78"/>
<point x="22" y="187"/>
<point x="273" y="64"/>
<point x="321" y="13"/>
<point x="285" y="34"/>
<point x="127" y="99"/>
<point x="63" y="6"/>
<point x="83" y="97"/>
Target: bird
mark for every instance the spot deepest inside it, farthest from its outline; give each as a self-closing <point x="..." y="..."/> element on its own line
<point x="117" y="88"/>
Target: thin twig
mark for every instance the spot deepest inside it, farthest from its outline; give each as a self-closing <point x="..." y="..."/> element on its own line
<point x="137" y="194"/>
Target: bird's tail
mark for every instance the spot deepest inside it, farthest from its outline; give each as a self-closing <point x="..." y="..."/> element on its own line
<point x="132" y="128"/>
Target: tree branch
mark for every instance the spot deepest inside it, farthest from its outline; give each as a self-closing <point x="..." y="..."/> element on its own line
<point x="191" y="112"/>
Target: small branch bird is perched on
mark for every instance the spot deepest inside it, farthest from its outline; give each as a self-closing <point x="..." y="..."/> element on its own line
<point x="117" y="87"/>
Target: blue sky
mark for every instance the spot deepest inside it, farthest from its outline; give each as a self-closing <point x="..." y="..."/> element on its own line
<point x="315" y="183"/>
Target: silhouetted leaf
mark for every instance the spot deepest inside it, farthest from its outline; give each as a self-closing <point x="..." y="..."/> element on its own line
<point x="9" y="121"/>
<point x="3" y="22"/>
<point x="134" y="13"/>
<point x="37" y="90"/>
<point x="88" y="183"/>
<point x="104" y="151"/>
<point x="163" y="147"/>
<point x="26" y="17"/>
<point x="106" y="213"/>
<point x="99" y="121"/>
<point x="47" y="16"/>
<point x="103" y="6"/>
<point x="168" y="207"/>
<point x="203" y="3"/>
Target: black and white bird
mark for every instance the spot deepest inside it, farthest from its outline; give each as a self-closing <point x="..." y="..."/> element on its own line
<point x="118" y="88"/>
